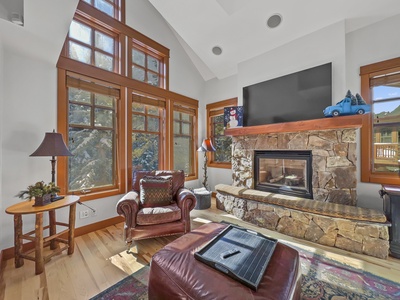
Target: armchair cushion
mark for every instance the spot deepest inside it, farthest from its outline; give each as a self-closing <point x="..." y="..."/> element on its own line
<point x="158" y="215"/>
<point x="156" y="191"/>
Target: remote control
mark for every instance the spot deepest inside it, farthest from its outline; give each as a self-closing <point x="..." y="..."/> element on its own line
<point x="229" y="253"/>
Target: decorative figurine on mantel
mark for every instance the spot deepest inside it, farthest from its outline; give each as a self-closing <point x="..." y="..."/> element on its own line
<point x="350" y="105"/>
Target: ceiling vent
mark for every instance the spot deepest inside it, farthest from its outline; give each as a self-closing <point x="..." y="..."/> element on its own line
<point x="274" y="21"/>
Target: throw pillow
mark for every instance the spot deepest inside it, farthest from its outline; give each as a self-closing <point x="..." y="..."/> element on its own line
<point x="156" y="191"/>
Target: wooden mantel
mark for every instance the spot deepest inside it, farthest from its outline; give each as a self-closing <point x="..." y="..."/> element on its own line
<point x="354" y="121"/>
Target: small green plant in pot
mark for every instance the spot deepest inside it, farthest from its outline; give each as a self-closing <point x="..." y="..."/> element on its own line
<point x="40" y="191"/>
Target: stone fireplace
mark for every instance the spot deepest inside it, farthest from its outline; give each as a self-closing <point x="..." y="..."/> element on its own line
<point x="332" y="219"/>
<point x="333" y="160"/>
<point x="287" y="172"/>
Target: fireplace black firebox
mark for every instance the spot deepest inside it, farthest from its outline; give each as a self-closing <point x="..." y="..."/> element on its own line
<point x="284" y="171"/>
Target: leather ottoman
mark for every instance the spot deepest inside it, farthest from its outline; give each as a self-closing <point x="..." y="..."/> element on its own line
<point x="176" y="274"/>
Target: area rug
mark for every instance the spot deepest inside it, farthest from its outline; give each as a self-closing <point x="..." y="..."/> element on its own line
<point x="322" y="279"/>
<point x="327" y="279"/>
<point x="133" y="287"/>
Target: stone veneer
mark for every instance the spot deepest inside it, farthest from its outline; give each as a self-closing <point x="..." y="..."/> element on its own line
<point x="356" y="236"/>
<point x="333" y="160"/>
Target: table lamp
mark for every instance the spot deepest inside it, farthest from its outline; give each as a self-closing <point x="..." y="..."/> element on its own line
<point x="206" y="146"/>
<point x="52" y="145"/>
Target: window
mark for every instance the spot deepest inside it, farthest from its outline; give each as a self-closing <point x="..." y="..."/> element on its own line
<point x="97" y="70"/>
<point x="147" y="65"/>
<point x="380" y="85"/>
<point x="184" y="130"/>
<point x="109" y="7"/>
<point x="92" y="128"/>
<point x="92" y="45"/>
<point x="147" y="132"/>
<point x="221" y="158"/>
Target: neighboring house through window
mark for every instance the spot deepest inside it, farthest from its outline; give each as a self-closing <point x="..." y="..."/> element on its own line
<point x="380" y="86"/>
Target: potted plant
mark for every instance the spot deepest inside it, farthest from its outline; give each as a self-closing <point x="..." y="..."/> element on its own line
<point x="40" y="191"/>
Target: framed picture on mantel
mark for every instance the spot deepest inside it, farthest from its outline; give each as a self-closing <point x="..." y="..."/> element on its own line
<point x="233" y="117"/>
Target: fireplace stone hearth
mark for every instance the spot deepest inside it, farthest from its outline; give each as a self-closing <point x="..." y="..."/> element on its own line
<point x="333" y="160"/>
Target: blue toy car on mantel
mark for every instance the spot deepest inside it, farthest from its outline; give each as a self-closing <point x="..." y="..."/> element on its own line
<point x="345" y="107"/>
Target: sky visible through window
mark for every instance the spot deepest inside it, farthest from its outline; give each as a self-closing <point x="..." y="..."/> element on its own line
<point x="382" y="93"/>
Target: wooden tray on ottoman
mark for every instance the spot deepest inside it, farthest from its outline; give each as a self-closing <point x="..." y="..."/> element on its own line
<point x="240" y="253"/>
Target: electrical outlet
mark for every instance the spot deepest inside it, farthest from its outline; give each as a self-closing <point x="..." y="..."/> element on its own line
<point x="93" y="213"/>
<point x="84" y="214"/>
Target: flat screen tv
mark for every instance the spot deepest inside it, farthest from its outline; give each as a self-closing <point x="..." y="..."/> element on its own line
<point x="299" y="96"/>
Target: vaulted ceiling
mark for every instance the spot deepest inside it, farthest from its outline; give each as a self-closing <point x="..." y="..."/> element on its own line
<point x="239" y="27"/>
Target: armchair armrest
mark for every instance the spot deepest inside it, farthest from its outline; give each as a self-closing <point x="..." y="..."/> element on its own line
<point x="128" y="207"/>
<point x="185" y="199"/>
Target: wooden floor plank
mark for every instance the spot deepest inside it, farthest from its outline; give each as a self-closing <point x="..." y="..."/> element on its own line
<point x="100" y="260"/>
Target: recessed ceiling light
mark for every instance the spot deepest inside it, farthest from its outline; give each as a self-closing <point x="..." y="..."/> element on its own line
<point x="217" y="50"/>
<point x="274" y="21"/>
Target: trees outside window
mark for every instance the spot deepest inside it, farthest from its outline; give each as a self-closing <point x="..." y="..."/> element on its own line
<point x="147" y="131"/>
<point x="221" y="158"/>
<point x="184" y="140"/>
<point x="380" y="85"/>
<point x="114" y="106"/>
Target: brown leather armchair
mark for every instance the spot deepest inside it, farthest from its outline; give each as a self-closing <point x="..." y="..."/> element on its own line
<point x="143" y="222"/>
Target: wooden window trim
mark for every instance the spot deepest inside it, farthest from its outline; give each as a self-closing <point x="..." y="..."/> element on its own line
<point x="136" y="44"/>
<point x="190" y="106"/>
<point x="214" y="109"/>
<point x="94" y="14"/>
<point x="95" y="18"/>
<point x="366" y="73"/>
<point x="62" y="127"/>
<point x="95" y="26"/>
<point x="161" y="103"/>
<point x="119" y="9"/>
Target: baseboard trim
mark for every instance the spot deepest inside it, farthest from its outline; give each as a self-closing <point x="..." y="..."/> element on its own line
<point x="8" y="253"/>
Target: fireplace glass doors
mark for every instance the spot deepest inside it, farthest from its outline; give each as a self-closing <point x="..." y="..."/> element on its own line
<point x="284" y="172"/>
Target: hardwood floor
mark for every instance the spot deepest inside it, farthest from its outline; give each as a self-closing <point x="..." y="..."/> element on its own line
<point x="100" y="260"/>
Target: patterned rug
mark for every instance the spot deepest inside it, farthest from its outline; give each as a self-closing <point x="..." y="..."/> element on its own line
<point x="133" y="287"/>
<point x="322" y="279"/>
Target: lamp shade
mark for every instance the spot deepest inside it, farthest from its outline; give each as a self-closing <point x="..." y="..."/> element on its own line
<point x="52" y="145"/>
<point x="208" y="145"/>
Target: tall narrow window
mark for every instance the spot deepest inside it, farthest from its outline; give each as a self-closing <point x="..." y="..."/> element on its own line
<point x="380" y="138"/>
<point x="92" y="128"/>
<point x="221" y="158"/>
<point x="147" y="132"/>
<point x="386" y="122"/>
<point x="183" y="149"/>
<point x="92" y="45"/>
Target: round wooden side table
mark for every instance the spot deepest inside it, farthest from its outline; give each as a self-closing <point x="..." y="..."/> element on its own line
<point x="36" y="236"/>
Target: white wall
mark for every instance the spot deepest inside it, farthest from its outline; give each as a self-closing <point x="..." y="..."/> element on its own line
<point x="29" y="99"/>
